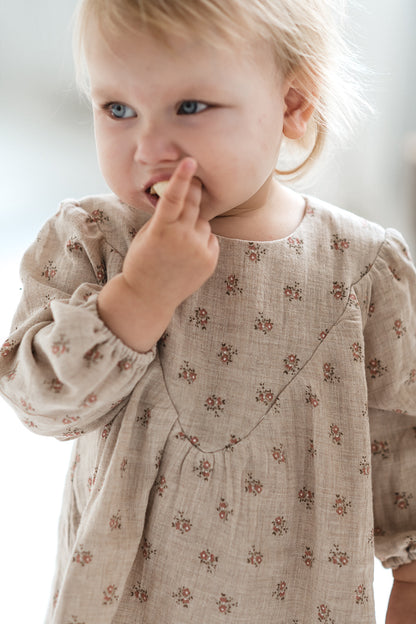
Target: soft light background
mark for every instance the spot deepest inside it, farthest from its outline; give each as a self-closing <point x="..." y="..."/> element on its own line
<point x="47" y="154"/>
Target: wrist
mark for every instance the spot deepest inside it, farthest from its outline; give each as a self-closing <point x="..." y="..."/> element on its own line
<point x="138" y="321"/>
<point x="405" y="573"/>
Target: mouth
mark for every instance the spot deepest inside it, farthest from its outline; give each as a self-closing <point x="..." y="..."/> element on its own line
<point x="156" y="191"/>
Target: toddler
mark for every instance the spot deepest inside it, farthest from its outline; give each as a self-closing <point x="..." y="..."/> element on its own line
<point x="236" y="361"/>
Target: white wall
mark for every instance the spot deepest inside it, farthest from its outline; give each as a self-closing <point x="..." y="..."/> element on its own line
<point x="47" y="153"/>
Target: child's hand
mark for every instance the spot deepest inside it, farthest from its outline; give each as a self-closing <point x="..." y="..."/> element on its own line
<point x="169" y="259"/>
<point x="402" y="603"/>
<point x="175" y="252"/>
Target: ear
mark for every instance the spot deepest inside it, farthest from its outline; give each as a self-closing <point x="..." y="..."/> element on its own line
<point x="298" y="110"/>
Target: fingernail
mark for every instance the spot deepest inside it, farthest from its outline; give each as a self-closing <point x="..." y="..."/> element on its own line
<point x="190" y="164"/>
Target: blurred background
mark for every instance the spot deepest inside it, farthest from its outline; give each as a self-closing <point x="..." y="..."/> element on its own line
<point x="47" y="153"/>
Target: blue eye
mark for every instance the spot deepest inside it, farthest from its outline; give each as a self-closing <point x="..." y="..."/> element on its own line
<point x="120" y="111"/>
<point x="191" y="107"/>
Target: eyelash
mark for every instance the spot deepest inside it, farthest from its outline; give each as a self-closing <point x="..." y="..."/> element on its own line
<point x="108" y="109"/>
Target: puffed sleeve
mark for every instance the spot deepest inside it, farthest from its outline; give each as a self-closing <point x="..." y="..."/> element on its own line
<point x="61" y="368"/>
<point x="390" y="356"/>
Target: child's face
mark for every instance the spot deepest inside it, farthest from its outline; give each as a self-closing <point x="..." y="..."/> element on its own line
<point x="154" y="105"/>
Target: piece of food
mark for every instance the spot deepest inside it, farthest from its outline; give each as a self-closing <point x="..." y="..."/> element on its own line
<point x="159" y="188"/>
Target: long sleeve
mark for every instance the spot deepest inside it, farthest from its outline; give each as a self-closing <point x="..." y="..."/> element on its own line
<point x="61" y="368"/>
<point x="390" y="355"/>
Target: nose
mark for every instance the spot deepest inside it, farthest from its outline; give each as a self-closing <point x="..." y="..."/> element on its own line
<point x="155" y="144"/>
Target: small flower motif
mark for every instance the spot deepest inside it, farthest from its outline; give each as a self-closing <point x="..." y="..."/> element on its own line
<point x="311" y="449"/>
<point x="255" y="557"/>
<point x="158" y="459"/>
<point x="291" y="363"/>
<point x="393" y="271"/>
<point x="255" y="252"/>
<point x="204" y="469"/>
<point x="364" y="466"/>
<point x="7" y="348"/>
<point x="223" y="510"/>
<point x="183" y="596"/>
<point x="106" y="431"/>
<point x="147" y="550"/>
<point x="123" y="466"/>
<point x="187" y="373"/>
<point x="233" y="441"/>
<point x="144" y="418"/>
<point x="200" y="318"/>
<point x="253" y="486"/>
<point x="115" y="521"/>
<point x="412" y="377"/>
<point x="353" y="301"/>
<point x="341" y="505"/>
<point x="138" y="592"/>
<point x="55" y="385"/>
<point x="226" y="604"/>
<point x="337" y="557"/>
<point x="361" y="595"/>
<point x="401" y="499"/>
<point x="278" y="454"/>
<point x="296" y="244"/>
<point x="74" y="245"/>
<point x="163" y="339"/>
<point x="371" y="309"/>
<point x="101" y="273"/>
<point x="132" y="232"/>
<point x="181" y="524"/>
<point x="81" y="556"/>
<point x="264" y="396"/>
<point x="110" y="595"/>
<point x="306" y="497"/>
<point x="97" y="216"/>
<point x="357" y="352"/>
<point x="280" y="591"/>
<point x="262" y="324"/>
<point x="293" y="292"/>
<point x="209" y="560"/>
<point x="49" y="271"/>
<point x="335" y="434"/>
<point x="308" y="557"/>
<point x="161" y="485"/>
<point x="125" y="364"/>
<point x="329" y="373"/>
<point x="232" y="285"/>
<point x="376" y="368"/>
<point x="380" y="448"/>
<point x="93" y="356"/>
<point x="311" y="398"/>
<point x="226" y="353"/>
<point x="338" y="291"/>
<point x="91" y="480"/>
<point x="399" y="328"/>
<point x="59" y="347"/>
<point x="324" y="614"/>
<point x="279" y="526"/>
<point x="339" y="244"/>
<point x="323" y="334"/>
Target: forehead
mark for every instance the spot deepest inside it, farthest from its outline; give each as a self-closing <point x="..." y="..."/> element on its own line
<point x="137" y="55"/>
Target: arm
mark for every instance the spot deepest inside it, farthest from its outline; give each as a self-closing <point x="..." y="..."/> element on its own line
<point x="79" y="348"/>
<point x="391" y="365"/>
<point x="402" y="604"/>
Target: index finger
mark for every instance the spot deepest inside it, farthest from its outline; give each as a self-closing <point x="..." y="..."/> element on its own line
<point x="170" y="206"/>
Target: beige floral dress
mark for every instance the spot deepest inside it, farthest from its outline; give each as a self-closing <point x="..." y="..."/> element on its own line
<point x="248" y="467"/>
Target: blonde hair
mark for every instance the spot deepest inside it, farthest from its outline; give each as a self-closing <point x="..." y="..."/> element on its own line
<point x="305" y="37"/>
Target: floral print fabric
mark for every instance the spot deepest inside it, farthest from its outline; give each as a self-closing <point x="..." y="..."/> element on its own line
<point x="231" y="473"/>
